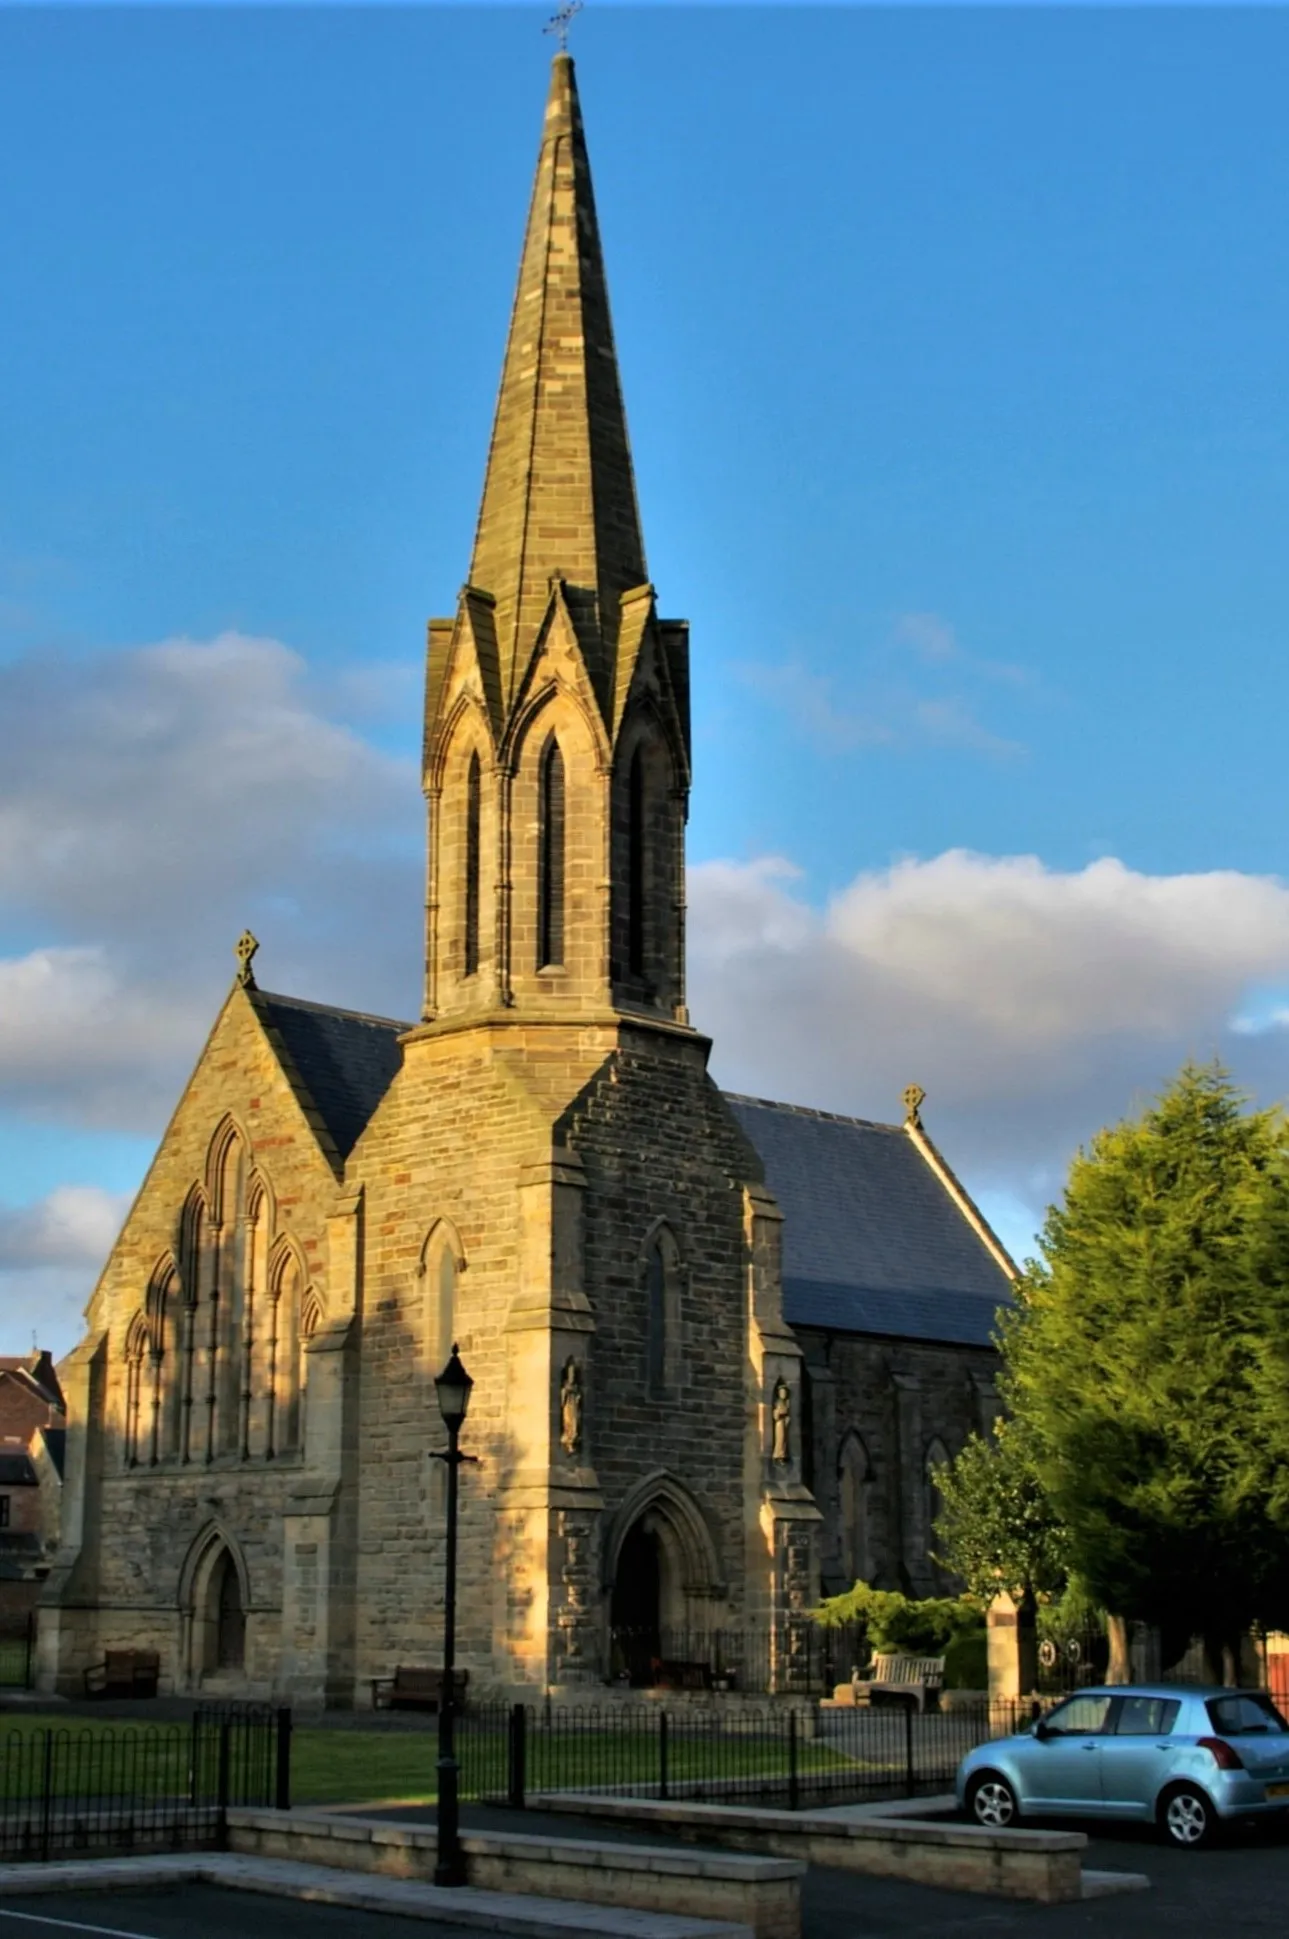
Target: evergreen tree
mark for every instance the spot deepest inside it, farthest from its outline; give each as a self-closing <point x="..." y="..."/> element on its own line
<point x="1147" y="1364"/>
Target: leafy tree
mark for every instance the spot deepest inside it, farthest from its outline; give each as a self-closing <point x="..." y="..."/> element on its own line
<point x="996" y="1529"/>
<point x="1147" y="1365"/>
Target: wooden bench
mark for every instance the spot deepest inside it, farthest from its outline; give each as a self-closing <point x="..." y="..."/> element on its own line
<point x="899" y="1679"/>
<point x="124" y="1673"/>
<point x="414" y="1689"/>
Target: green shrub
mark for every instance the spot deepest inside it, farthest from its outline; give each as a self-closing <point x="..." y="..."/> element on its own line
<point x="895" y="1622"/>
<point x="966" y="1661"/>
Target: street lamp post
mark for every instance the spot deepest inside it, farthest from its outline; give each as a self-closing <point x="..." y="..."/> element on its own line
<point x="453" y="1387"/>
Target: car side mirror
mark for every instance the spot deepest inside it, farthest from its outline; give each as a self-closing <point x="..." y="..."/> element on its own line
<point x="1042" y="1729"/>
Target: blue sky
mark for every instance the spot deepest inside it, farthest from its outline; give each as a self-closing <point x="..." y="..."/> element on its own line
<point x="953" y="346"/>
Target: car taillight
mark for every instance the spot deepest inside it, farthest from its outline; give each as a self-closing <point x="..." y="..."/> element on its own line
<point x="1225" y="1755"/>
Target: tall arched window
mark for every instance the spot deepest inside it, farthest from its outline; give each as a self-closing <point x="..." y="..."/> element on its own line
<point x="936" y="1457"/>
<point x="440" y="1263"/>
<point x="636" y="864"/>
<point x="470" y="954"/>
<point x="550" y="858"/>
<point x="662" y="1278"/>
<point x="136" y="1353"/>
<point x="161" y="1316"/>
<point x="656" y="1286"/>
<point x="852" y="1487"/>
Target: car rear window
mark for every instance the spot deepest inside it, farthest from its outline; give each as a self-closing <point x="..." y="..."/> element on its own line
<point x="1147" y="1716"/>
<point x="1247" y="1715"/>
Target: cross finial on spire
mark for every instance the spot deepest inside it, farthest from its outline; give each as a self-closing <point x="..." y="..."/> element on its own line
<point x="559" y="23"/>
<point x="913" y="1098"/>
<point x="244" y="950"/>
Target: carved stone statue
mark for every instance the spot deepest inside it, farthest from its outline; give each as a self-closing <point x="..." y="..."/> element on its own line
<point x="782" y="1413"/>
<point x="570" y="1408"/>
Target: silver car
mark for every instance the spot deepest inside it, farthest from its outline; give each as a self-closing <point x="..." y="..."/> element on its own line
<point x="1183" y="1759"/>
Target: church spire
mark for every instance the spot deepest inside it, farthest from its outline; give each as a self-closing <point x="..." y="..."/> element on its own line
<point x="559" y="497"/>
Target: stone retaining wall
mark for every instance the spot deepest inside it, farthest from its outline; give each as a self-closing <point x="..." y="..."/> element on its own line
<point x="762" y="1893"/>
<point x="1042" y="1865"/>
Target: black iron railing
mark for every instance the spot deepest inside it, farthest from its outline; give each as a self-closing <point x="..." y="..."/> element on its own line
<point x="788" y="1754"/>
<point x="127" y="1787"/>
<point x="794" y="1657"/>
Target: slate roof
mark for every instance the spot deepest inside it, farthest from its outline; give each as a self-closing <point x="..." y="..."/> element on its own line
<point x="347" y="1060"/>
<point x="872" y="1241"/>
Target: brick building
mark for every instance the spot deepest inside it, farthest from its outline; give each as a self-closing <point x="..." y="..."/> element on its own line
<point x="684" y="1423"/>
<point x="32" y="1444"/>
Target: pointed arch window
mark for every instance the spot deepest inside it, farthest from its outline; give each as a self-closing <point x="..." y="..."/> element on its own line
<point x="440" y="1264"/>
<point x="473" y="796"/>
<point x="937" y="1456"/>
<point x="636" y="864"/>
<point x="853" y="1477"/>
<point x="550" y="858"/>
<point x="662" y="1278"/>
<point x="136" y="1353"/>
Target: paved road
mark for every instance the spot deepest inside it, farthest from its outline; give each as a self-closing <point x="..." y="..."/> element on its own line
<point x="202" y="1912"/>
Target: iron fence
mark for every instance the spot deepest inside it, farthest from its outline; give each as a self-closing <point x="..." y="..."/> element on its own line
<point x="791" y="1755"/>
<point x="95" y="1789"/>
<point x="794" y="1657"/>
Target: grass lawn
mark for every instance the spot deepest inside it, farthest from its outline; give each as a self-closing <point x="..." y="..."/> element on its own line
<point x="370" y="1766"/>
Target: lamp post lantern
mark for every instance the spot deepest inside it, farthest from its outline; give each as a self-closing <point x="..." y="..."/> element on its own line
<point x="453" y="1387"/>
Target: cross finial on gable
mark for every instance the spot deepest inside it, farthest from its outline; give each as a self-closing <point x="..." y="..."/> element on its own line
<point x="244" y="949"/>
<point x="913" y="1098"/>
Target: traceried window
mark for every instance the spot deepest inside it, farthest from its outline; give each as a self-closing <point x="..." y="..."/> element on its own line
<point x="221" y="1338"/>
<point x="550" y="858"/>
<point x="473" y="786"/>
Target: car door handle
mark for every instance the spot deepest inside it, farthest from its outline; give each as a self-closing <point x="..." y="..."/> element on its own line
<point x="1088" y="1747"/>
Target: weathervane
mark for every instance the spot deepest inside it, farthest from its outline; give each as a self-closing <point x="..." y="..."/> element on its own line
<point x="559" y="23"/>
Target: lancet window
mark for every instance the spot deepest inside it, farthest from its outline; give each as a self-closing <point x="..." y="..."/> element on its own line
<point x="853" y="1479"/>
<point x="662" y="1312"/>
<point x="636" y="864"/>
<point x="473" y="797"/>
<point x="550" y="858"/>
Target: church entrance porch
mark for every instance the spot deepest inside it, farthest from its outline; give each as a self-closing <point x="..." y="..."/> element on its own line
<point x="663" y="1607"/>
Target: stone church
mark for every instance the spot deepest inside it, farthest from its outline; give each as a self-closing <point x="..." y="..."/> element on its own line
<point x="718" y="1343"/>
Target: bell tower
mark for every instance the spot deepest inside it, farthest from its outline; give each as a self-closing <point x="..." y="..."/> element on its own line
<point x="557" y="744"/>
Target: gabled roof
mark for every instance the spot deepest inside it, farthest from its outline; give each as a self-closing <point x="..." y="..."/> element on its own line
<point x="35" y="1372"/>
<point x="873" y="1242"/>
<point x="345" y="1060"/>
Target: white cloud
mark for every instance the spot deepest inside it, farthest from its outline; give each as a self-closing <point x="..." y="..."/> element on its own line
<point x="51" y="1253"/>
<point x="73" y="1227"/>
<point x="153" y="802"/>
<point x="1033" y="1004"/>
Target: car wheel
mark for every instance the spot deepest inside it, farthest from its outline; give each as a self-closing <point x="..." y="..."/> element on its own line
<point x="1186" y="1818"/>
<point x="992" y="1802"/>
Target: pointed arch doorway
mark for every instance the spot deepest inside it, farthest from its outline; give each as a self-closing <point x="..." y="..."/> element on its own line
<point x="213" y="1599"/>
<point x="662" y="1571"/>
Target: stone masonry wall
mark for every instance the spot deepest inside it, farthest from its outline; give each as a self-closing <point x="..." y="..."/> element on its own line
<point x="146" y="1519"/>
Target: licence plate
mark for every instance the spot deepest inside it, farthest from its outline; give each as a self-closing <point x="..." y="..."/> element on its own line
<point x="1278" y="1790"/>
